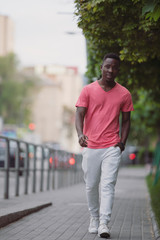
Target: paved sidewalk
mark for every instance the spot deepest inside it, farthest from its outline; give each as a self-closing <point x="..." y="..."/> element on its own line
<point x="68" y="218"/>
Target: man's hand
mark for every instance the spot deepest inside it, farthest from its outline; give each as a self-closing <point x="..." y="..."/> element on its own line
<point x="83" y="140"/>
<point x="120" y="145"/>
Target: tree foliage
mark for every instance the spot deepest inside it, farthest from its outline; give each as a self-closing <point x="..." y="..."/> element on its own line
<point x="151" y="10"/>
<point x="119" y="26"/>
<point x="145" y="118"/>
<point x="15" y="90"/>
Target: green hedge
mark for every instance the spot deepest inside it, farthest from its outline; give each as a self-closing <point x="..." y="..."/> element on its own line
<point x="155" y="197"/>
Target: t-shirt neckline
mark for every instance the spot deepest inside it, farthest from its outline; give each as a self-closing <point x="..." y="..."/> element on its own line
<point x="104" y="90"/>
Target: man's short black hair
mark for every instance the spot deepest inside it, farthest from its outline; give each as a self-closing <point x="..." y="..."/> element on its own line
<point x="111" y="55"/>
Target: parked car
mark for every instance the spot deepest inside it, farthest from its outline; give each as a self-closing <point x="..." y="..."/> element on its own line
<point x="2" y="155"/>
<point x="12" y="156"/>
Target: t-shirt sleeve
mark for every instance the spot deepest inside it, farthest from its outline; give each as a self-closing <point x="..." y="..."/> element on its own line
<point x="83" y="99"/>
<point x="127" y="103"/>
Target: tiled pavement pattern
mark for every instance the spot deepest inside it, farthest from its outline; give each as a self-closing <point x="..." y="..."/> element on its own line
<point x="68" y="218"/>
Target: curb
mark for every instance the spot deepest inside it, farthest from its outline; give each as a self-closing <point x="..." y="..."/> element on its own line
<point x="12" y="217"/>
<point x="154" y="224"/>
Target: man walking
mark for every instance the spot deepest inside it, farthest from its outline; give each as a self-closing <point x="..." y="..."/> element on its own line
<point x="97" y="123"/>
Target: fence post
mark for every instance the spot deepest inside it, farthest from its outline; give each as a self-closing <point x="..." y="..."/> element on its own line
<point x="42" y="169"/>
<point x="17" y="159"/>
<point x="63" y="175"/>
<point x="6" y="182"/>
<point x="26" y="164"/>
<point x="48" y="170"/>
<point x="34" y="169"/>
<point x="54" y="167"/>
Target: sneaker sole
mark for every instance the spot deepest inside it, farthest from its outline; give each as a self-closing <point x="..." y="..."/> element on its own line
<point x="104" y="235"/>
<point x="93" y="231"/>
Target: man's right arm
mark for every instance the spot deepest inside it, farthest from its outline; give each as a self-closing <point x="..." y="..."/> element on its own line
<point x="80" y="114"/>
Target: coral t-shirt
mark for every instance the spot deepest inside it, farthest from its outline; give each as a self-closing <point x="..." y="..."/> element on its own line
<point x="101" y="123"/>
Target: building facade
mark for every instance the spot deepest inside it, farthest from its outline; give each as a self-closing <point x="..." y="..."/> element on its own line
<point x="53" y="110"/>
<point x="6" y="35"/>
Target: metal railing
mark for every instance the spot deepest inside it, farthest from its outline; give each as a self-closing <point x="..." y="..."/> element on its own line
<point x="37" y="164"/>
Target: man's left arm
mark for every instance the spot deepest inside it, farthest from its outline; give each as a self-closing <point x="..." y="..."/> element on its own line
<point x="125" y="130"/>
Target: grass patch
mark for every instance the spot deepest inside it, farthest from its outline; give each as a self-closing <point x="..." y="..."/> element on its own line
<point x="155" y="197"/>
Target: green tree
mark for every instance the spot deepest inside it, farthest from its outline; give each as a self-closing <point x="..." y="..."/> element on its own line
<point x="119" y="26"/>
<point x="145" y="118"/>
<point x="151" y="10"/>
<point x="15" y="92"/>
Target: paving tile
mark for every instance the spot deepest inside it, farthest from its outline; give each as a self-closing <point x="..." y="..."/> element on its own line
<point x="68" y="217"/>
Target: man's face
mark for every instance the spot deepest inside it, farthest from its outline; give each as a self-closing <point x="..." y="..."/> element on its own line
<point x="110" y="69"/>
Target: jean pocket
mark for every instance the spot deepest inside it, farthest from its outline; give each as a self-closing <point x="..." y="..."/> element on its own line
<point x="83" y="151"/>
<point x="119" y="149"/>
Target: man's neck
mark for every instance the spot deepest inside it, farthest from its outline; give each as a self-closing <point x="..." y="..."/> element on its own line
<point x="106" y="85"/>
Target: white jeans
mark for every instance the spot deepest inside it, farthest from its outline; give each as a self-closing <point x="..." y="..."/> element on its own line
<point x="101" y="165"/>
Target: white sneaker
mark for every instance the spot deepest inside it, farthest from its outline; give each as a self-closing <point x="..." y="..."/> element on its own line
<point x="93" y="226"/>
<point x="103" y="231"/>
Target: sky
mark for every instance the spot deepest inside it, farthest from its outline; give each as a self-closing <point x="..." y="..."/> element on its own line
<point x="41" y="32"/>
